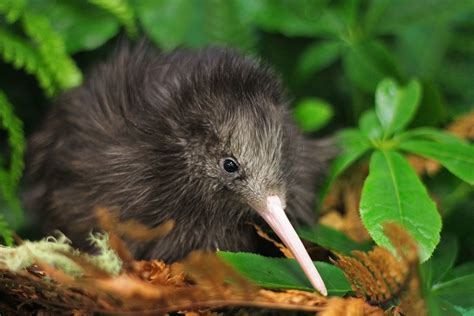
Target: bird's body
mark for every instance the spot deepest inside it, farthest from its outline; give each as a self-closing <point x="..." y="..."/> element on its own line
<point x="159" y="136"/>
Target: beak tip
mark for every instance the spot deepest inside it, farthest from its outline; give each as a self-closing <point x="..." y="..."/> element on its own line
<point x="275" y="216"/>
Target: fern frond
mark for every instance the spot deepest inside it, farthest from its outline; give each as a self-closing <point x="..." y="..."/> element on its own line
<point x="122" y="10"/>
<point x="10" y="178"/>
<point x="18" y="52"/>
<point x="5" y="231"/>
<point x="52" y="50"/>
<point x="12" y="9"/>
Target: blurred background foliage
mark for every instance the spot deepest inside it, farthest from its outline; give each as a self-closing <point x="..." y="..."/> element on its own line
<point x="331" y="55"/>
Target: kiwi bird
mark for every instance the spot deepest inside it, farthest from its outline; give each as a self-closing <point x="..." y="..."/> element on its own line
<point x="202" y="137"/>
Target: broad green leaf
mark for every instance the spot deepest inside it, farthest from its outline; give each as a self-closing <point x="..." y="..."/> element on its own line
<point x="431" y="134"/>
<point x="439" y="307"/>
<point x="459" y="291"/>
<point x="197" y="24"/>
<point x="457" y="158"/>
<point x="393" y="193"/>
<point x="370" y="125"/>
<point x="460" y="271"/>
<point x="331" y="239"/>
<point x="317" y="57"/>
<point x="312" y="114"/>
<point x="395" y="106"/>
<point x="354" y="145"/>
<point x="367" y="63"/>
<point x="395" y="16"/>
<point x="442" y="260"/>
<point x="282" y="273"/>
<point x="433" y="110"/>
<point x="296" y="18"/>
<point x="81" y="25"/>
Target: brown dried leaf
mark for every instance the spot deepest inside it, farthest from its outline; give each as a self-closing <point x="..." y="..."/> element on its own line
<point x="131" y="228"/>
<point x="341" y="206"/>
<point x="350" y="307"/>
<point x="463" y="126"/>
<point x="158" y="273"/>
<point x="285" y="251"/>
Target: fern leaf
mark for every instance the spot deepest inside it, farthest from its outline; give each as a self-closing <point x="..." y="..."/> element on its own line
<point x="10" y="178"/>
<point x="12" y="9"/>
<point x="122" y="10"/>
<point x="52" y="50"/>
<point x="5" y="231"/>
<point x="22" y="55"/>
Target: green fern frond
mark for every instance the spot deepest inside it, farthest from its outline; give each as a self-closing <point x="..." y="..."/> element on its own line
<point x="122" y="10"/>
<point x="12" y="9"/>
<point x="18" y="52"/>
<point x="5" y="231"/>
<point x="10" y="178"/>
<point x="52" y="50"/>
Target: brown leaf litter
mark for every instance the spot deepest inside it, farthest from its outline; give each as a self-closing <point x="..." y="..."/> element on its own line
<point x="203" y="283"/>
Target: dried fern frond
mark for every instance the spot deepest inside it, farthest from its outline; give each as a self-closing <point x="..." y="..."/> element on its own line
<point x="350" y="307"/>
<point x="382" y="278"/>
<point x="122" y="10"/>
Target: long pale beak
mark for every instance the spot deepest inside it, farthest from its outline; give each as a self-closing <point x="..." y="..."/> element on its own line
<point x="275" y="216"/>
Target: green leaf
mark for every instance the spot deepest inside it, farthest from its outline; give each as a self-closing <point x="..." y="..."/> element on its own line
<point x="81" y="25"/>
<point x="459" y="291"/>
<point x="282" y="273"/>
<point x="431" y="134"/>
<point x="198" y="23"/>
<point x="331" y="239"/>
<point x="393" y="193"/>
<point x="460" y="271"/>
<point x="312" y="114"/>
<point x="367" y="63"/>
<point x="297" y="18"/>
<point x="122" y="10"/>
<point x="370" y="125"/>
<point x="442" y="260"/>
<point x="396" y="106"/>
<point x="354" y="145"/>
<point x="457" y="158"/>
<point x="317" y="57"/>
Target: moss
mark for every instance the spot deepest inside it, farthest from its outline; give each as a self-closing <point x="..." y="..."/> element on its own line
<point x="52" y="250"/>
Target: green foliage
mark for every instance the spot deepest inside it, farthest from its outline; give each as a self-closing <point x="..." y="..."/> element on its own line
<point x="343" y="52"/>
<point x="52" y="50"/>
<point x="312" y="114"/>
<point x="388" y="197"/>
<point x="281" y="273"/>
<point x="331" y="239"/>
<point x="10" y="175"/>
<point x="122" y="10"/>
<point x="5" y="231"/>
<point x="197" y="23"/>
<point x="448" y="289"/>
<point x="393" y="192"/>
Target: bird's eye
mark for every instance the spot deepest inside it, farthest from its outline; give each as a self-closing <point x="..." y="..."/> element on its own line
<point x="230" y="165"/>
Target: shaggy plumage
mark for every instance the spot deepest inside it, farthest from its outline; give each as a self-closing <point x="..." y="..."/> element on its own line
<point x="147" y="134"/>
